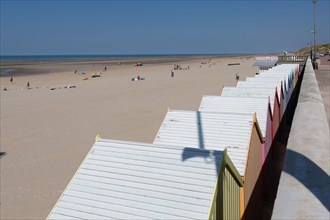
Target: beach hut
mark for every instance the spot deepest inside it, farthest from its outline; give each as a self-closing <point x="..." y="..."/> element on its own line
<point x="286" y="79"/>
<point x="258" y="92"/>
<point x="131" y="180"/>
<point x="293" y="70"/>
<point x="244" y="105"/>
<point x="276" y="85"/>
<point x="288" y="74"/>
<point x="281" y="81"/>
<point x="227" y="194"/>
<point x="247" y="105"/>
<point x="256" y="84"/>
<point x="293" y="67"/>
<point x="238" y="133"/>
<point x="271" y="78"/>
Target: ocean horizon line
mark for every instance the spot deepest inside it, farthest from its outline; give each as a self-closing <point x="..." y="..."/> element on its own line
<point x="135" y="54"/>
<point x="75" y="57"/>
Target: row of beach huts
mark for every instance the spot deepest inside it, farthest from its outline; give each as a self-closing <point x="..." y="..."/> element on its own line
<point x="213" y="163"/>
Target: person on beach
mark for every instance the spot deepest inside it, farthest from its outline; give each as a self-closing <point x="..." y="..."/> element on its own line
<point x="172" y="73"/>
<point x="237" y="76"/>
<point x="315" y="64"/>
<point x="11" y="79"/>
<point x="28" y="84"/>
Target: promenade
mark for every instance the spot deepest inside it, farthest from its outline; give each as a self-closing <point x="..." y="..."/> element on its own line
<point x="304" y="187"/>
<point x="323" y="80"/>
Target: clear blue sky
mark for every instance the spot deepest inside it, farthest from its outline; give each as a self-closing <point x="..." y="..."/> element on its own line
<point x="159" y="27"/>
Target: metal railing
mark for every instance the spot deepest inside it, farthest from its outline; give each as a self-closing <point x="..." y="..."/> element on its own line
<point x="292" y="58"/>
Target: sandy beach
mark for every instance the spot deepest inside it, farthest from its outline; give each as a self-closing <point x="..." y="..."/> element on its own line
<point x="47" y="129"/>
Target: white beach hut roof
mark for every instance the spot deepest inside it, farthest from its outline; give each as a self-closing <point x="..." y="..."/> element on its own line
<point x="282" y="69"/>
<point x="245" y="105"/>
<point x="276" y="72"/>
<point x="250" y="92"/>
<point x="130" y="180"/>
<point x="261" y="84"/>
<point x="290" y="66"/>
<point x="269" y="79"/>
<point x="209" y="130"/>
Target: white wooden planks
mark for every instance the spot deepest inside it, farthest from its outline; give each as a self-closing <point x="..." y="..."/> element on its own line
<point x="244" y="105"/>
<point x="262" y="84"/>
<point x="267" y="79"/>
<point x="209" y="130"/>
<point x="130" y="180"/>
<point x="250" y="92"/>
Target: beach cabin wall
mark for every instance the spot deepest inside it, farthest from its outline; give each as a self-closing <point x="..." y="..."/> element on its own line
<point x="247" y="105"/>
<point x="287" y="76"/>
<point x="244" y="105"/>
<point x="258" y="92"/>
<point x="284" y="93"/>
<point x="287" y="84"/>
<point x="261" y="107"/>
<point x="272" y="78"/>
<point x="293" y="67"/>
<point x="272" y="85"/>
<point x="278" y="89"/>
<point x="292" y="70"/>
<point x="250" y="92"/>
<point x="278" y="74"/>
<point x="275" y="121"/>
<point x="238" y="133"/>
<point x="256" y="84"/>
<point x="131" y="180"/>
<point x="226" y="201"/>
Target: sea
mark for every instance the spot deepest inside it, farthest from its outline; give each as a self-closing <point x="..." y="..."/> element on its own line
<point x="45" y="58"/>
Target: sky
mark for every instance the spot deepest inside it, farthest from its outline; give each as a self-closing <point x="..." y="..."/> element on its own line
<point x="92" y="27"/>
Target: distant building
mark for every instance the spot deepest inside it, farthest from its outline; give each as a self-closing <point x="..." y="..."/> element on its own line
<point x="265" y="63"/>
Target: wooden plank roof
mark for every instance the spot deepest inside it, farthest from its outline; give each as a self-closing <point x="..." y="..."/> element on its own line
<point x="130" y="180"/>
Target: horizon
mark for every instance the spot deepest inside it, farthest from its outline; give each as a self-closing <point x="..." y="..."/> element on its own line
<point x="94" y="57"/>
<point x="159" y="27"/>
<point x="146" y="54"/>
